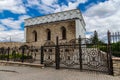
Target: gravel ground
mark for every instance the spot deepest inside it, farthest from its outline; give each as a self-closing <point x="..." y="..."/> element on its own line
<point x="31" y="73"/>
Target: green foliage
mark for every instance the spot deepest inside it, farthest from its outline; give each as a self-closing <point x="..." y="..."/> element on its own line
<point x="116" y="46"/>
<point x="117" y="54"/>
<point x="3" y="56"/>
<point x="116" y="49"/>
<point x="103" y="48"/>
<point x="15" y="56"/>
<point x="95" y="39"/>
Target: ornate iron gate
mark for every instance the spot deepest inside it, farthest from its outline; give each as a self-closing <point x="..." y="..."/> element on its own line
<point x="94" y="56"/>
<point x="48" y="54"/>
<point x="69" y="55"/>
<point x="77" y="54"/>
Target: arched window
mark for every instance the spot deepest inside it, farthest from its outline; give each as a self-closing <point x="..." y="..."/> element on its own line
<point x="35" y="36"/>
<point x="63" y="30"/>
<point x="48" y="34"/>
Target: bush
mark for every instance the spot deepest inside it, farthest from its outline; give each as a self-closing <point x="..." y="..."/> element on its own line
<point x="117" y="54"/>
<point x="14" y="56"/>
<point x="3" y="57"/>
<point x="26" y="57"/>
<point x="103" y="48"/>
<point x="115" y="49"/>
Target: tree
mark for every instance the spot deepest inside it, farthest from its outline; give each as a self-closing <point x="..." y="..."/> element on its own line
<point x="95" y="39"/>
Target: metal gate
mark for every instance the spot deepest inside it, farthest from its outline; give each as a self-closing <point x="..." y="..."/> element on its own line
<point x="70" y="56"/>
<point x="77" y="54"/>
<point x="95" y="56"/>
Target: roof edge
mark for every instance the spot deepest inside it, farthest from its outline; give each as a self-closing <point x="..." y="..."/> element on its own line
<point x="53" y="13"/>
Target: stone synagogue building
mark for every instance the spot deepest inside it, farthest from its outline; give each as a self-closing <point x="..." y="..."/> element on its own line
<point x="67" y="25"/>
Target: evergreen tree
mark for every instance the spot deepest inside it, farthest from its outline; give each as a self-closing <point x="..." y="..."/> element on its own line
<point x="94" y="38"/>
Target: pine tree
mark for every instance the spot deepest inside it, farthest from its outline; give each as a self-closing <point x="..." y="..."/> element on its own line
<point x="95" y="39"/>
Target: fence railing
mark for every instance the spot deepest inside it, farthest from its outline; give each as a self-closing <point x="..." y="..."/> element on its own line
<point x="115" y="37"/>
<point x="114" y="40"/>
<point x="21" y="54"/>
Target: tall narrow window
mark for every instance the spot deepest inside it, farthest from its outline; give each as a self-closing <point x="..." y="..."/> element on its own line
<point x="63" y="30"/>
<point x="48" y="34"/>
<point x="35" y="36"/>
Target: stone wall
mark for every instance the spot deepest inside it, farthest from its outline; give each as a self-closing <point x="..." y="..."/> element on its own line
<point x="11" y="44"/>
<point x="116" y="66"/>
<point x="55" y="29"/>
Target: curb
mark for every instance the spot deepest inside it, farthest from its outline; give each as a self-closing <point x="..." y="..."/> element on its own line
<point x="20" y="64"/>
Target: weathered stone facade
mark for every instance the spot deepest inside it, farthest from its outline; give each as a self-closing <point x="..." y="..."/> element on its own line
<point x="55" y="29"/>
<point x="116" y="66"/>
<point x="67" y="25"/>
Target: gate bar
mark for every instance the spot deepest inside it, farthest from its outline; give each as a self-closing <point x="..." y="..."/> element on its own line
<point x="42" y="55"/>
<point x="8" y="53"/>
<point x="110" y="54"/>
<point x="80" y="52"/>
<point x="57" y="55"/>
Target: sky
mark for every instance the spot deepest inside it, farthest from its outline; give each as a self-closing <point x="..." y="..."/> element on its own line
<point x="99" y="15"/>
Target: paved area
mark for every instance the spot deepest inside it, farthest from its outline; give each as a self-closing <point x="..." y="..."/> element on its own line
<point x="30" y="73"/>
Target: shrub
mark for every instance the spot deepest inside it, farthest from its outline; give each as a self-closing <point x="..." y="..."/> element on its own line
<point x="115" y="49"/>
<point x="14" y="56"/>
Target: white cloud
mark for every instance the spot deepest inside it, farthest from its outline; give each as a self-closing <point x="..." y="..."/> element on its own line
<point x="103" y="9"/>
<point x="15" y="6"/>
<point x="49" y="2"/>
<point x="11" y="23"/>
<point x="13" y="35"/>
<point x="103" y="17"/>
<point x="45" y="9"/>
<point x="31" y="3"/>
<point x="52" y="6"/>
<point x="14" y="24"/>
<point x="16" y="34"/>
<point x="21" y="18"/>
<point x="71" y="5"/>
<point x="2" y="28"/>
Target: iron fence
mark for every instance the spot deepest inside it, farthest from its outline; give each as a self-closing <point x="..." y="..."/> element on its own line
<point x="78" y="54"/>
<point x="22" y="54"/>
<point x="115" y="43"/>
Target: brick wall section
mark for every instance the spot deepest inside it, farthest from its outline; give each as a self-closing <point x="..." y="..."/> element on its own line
<point x="116" y="66"/>
<point x="55" y="28"/>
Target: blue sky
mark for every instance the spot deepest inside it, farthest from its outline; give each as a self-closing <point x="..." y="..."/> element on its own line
<point x="100" y="15"/>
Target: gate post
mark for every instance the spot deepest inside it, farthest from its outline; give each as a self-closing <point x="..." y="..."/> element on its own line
<point x="8" y="54"/>
<point x="57" y="55"/>
<point x="23" y="51"/>
<point x="42" y="55"/>
<point x="80" y="52"/>
<point x="110" y="55"/>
